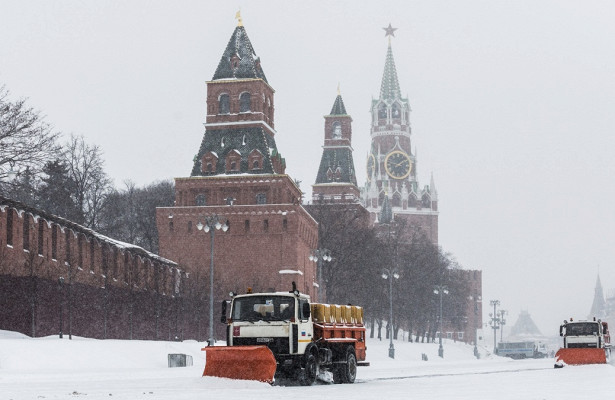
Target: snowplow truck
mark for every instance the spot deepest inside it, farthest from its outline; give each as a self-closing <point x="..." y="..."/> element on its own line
<point x="585" y="342"/>
<point x="283" y="336"/>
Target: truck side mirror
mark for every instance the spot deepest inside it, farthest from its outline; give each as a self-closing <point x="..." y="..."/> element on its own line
<point x="306" y="310"/>
<point x="223" y="316"/>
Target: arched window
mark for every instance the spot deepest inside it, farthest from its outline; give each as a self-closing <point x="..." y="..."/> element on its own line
<point x="244" y="102"/>
<point x="224" y="106"/>
<point x="396" y="202"/>
<point x="201" y="200"/>
<point x="337" y="130"/>
<point x="382" y="111"/>
<point x="395" y="111"/>
<point x="255" y="164"/>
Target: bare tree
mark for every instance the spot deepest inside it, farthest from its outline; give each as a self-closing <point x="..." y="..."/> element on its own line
<point x="92" y="185"/>
<point x="26" y="140"/>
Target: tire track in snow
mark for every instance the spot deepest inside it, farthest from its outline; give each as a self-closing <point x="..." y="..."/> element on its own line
<point x="394" y="378"/>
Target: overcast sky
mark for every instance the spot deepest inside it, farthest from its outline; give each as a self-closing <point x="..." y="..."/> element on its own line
<point x="512" y="110"/>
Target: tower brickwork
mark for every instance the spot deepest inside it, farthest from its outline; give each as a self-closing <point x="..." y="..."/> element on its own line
<point x="239" y="176"/>
<point x="391" y="164"/>
<point x="336" y="181"/>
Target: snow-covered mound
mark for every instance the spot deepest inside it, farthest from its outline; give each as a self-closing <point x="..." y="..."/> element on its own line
<point x="53" y="368"/>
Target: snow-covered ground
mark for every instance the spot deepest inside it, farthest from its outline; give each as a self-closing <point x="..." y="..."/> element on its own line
<point x="52" y="368"/>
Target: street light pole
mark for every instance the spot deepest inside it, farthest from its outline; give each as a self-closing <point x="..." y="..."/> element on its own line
<point x="502" y="323"/>
<point x="477" y="299"/>
<point x="61" y="285"/>
<point x="212" y="223"/>
<point x="441" y="290"/>
<point x="318" y="256"/>
<point x="388" y="274"/>
<point x="495" y="324"/>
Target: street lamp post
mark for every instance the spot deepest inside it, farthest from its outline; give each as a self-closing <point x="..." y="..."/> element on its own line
<point x="477" y="299"/>
<point x="212" y="224"/>
<point x="441" y="290"/>
<point x="11" y="173"/>
<point x="501" y="314"/>
<point x="61" y="285"/>
<point x="390" y="274"/>
<point x="495" y="323"/>
<point x="318" y="256"/>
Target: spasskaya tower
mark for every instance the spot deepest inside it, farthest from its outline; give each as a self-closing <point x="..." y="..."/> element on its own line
<point x="391" y="165"/>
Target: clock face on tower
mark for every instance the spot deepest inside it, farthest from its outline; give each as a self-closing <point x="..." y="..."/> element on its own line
<point x="398" y="164"/>
<point x="371" y="165"/>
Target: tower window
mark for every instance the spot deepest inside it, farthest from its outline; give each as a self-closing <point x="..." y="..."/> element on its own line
<point x="224" y="106"/>
<point x="382" y="111"/>
<point x="395" y="111"/>
<point x="337" y="130"/>
<point x="244" y="102"/>
<point x="255" y="164"/>
<point x="201" y="200"/>
<point x="261" y="198"/>
<point x="247" y="225"/>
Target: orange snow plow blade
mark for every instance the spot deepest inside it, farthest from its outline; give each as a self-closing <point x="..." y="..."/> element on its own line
<point x="581" y="356"/>
<point x="255" y="363"/>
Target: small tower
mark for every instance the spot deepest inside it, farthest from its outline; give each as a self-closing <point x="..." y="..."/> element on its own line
<point x="391" y="165"/>
<point x="238" y="176"/>
<point x="598" y="309"/>
<point x="336" y="181"/>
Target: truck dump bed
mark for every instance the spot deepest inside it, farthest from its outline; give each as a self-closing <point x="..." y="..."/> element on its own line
<point x="339" y="323"/>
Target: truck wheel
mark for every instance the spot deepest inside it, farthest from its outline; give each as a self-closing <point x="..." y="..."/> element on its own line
<point x="347" y="372"/>
<point x="308" y="375"/>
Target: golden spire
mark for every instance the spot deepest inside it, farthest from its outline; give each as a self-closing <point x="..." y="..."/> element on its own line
<point x="238" y="18"/>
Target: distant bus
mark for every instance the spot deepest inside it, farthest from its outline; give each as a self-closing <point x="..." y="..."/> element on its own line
<point x="519" y="350"/>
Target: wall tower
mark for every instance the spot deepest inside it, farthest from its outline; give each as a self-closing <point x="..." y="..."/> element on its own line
<point x="391" y="165"/>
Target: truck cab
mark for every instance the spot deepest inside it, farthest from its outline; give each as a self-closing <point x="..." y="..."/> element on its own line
<point x="280" y="321"/>
<point x="585" y="334"/>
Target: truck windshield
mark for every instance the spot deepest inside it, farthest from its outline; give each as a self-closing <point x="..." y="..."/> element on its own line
<point x="263" y="308"/>
<point x="581" y="329"/>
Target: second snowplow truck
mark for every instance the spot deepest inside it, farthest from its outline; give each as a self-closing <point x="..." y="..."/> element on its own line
<point x="585" y="342"/>
<point x="283" y="335"/>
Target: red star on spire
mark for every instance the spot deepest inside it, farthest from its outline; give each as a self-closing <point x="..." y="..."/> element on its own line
<point x="390" y="31"/>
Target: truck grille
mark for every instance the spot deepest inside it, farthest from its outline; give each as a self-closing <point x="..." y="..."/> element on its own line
<point x="581" y="345"/>
<point x="277" y="345"/>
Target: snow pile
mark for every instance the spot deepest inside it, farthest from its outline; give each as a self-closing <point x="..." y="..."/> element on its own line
<point x="50" y="368"/>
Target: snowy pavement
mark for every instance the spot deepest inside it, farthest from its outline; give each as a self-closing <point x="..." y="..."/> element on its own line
<point x="50" y="368"/>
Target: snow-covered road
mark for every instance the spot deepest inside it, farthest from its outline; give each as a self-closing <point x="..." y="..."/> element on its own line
<point x="50" y="368"/>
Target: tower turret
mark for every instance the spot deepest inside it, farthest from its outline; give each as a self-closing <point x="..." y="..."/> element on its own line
<point x="336" y="181"/>
<point x="391" y="166"/>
